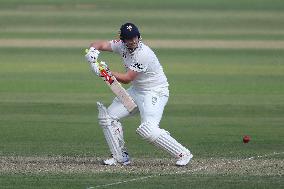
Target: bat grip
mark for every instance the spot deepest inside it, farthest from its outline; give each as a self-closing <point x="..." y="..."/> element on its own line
<point x="106" y="76"/>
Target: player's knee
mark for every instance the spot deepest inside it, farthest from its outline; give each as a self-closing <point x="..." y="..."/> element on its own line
<point x="149" y="131"/>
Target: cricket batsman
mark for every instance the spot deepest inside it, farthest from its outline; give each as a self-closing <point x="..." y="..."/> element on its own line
<point x="149" y="90"/>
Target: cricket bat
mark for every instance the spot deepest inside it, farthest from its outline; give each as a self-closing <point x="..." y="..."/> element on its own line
<point x="117" y="89"/>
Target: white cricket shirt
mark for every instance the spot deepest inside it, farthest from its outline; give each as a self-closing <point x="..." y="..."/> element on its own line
<point x="143" y="60"/>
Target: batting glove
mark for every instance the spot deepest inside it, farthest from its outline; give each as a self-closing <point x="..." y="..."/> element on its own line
<point x="92" y="55"/>
<point x="106" y="68"/>
<point x="96" y="68"/>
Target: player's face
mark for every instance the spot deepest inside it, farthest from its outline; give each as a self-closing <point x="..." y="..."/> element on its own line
<point x="132" y="43"/>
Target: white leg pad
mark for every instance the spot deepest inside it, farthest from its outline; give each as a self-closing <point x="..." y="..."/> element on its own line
<point x="113" y="132"/>
<point x="162" y="139"/>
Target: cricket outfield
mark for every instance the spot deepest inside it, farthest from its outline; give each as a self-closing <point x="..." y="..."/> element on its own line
<point x="225" y="65"/>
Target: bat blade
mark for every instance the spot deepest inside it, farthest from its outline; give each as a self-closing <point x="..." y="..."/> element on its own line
<point x="117" y="89"/>
<point x="122" y="94"/>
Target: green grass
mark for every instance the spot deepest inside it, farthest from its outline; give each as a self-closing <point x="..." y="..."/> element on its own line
<point x="213" y="103"/>
<point x="182" y="19"/>
<point x="167" y="182"/>
<point x="148" y="4"/>
<point x="48" y="95"/>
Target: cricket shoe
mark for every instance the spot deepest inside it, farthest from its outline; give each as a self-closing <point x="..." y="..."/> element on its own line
<point x="113" y="161"/>
<point x="184" y="159"/>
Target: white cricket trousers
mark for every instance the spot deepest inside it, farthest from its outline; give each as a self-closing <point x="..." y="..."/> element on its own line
<point x="150" y="105"/>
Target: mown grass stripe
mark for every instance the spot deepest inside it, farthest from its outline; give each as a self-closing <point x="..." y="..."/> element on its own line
<point x="169" y="44"/>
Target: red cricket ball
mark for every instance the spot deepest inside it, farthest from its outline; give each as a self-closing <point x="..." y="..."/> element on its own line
<point x="246" y="139"/>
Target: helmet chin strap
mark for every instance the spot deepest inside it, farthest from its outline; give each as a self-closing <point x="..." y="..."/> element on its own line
<point x="131" y="50"/>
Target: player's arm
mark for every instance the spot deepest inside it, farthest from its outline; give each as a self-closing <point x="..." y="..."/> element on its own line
<point x="101" y="45"/>
<point x="93" y="52"/>
<point x="126" y="77"/>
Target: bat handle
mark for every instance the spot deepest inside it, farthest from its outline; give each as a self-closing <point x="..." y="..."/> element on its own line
<point x="106" y="76"/>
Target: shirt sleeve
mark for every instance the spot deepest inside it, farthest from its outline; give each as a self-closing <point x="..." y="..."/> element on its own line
<point x="116" y="46"/>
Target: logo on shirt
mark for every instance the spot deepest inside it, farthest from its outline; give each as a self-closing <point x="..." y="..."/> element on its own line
<point x="137" y="65"/>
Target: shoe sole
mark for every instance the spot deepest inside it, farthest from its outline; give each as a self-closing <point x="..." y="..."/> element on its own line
<point x="190" y="157"/>
<point x="126" y="163"/>
<point x="114" y="164"/>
